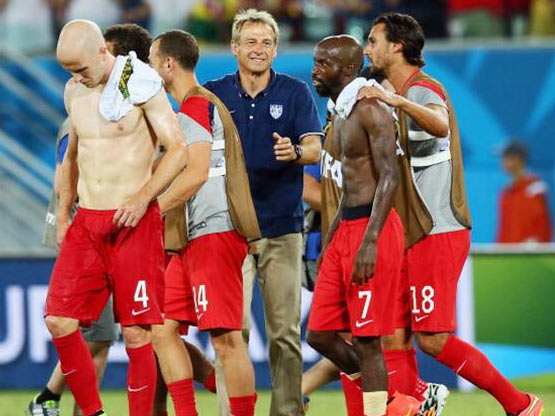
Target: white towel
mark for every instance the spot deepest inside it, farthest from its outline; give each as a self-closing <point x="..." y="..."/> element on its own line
<point x="349" y="96"/>
<point x="132" y="82"/>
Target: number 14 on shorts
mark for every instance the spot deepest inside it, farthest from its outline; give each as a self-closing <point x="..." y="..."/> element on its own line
<point x="201" y="303"/>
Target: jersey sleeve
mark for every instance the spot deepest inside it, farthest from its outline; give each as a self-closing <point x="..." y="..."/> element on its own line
<point x="426" y="93"/>
<point x="307" y="121"/>
<point x="195" y="119"/>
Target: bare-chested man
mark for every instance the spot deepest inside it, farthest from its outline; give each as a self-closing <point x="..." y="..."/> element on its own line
<point x="118" y="112"/>
<point x="360" y="269"/>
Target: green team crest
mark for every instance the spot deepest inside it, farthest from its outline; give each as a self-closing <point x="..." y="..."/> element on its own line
<point x="125" y="75"/>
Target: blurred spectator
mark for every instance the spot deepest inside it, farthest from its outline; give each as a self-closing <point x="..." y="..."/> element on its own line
<point x="475" y="18"/>
<point x="103" y="12"/>
<point x="210" y="20"/>
<point x="3" y="4"/>
<point x="135" y="11"/>
<point x="431" y="14"/>
<point x="58" y="11"/>
<point x="524" y="215"/>
<point x="542" y="18"/>
<point x="168" y="15"/>
<point x="26" y="25"/>
<point x="516" y="17"/>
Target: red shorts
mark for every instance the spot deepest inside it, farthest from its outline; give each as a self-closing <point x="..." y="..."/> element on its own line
<point x="339" y="305"/>
<point x="97" y="258"/>
<point x="204" y="283"/>
<point x="427" y="299"/>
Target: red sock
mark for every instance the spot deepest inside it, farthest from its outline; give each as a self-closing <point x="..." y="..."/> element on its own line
<point x="421" y="387"/>
<point x="402" y="372"/>
<point x="471" y="364"/>
<point x="352" y="389"/>
<point x="210" y="382"/>
<point x="182" y="393"/>
<point x="242" y="406"/>
<point x="141" y="380"/>
<point x="78" y="370"/>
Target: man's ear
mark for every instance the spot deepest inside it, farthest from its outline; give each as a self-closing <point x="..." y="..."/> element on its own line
<point x="397" y="47"/>
<point x="234" y="48"/>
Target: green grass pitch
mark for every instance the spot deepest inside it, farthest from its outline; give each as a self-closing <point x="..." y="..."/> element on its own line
<point x="325" y="402"/>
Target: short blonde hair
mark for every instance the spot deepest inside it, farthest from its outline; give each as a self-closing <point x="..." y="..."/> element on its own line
<point x="253" y="16"/>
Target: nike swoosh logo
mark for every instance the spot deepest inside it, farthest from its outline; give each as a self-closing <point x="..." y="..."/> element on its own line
<point x="420" y="318"/>
<point x="231" y="111"/>
<point x="132" y="390"/>
<point x="135" y="313"/>
<point x="361" y="324"/>
<point x="69" y="372"/>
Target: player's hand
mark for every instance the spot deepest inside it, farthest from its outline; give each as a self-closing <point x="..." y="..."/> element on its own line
<point x="131" y="211"/>
<point x="283" y="148"/>
<point x="61" y="231"/>
<point x="365" y="264"/>
<point x="388" y="97"/>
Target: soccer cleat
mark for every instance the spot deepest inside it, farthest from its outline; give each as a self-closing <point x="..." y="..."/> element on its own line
<point x="434" y="401"/>
<point x="535" y="408"/>
<point x="401" y="405"/>
<point x="47" y="408"/>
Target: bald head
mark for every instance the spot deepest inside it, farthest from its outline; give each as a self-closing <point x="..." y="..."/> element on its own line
<point x="337" y="61"/>
<point x="344" y="48"/>
<point x="82" y="50"/>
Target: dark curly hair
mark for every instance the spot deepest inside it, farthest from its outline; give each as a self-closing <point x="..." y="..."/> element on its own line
<point x="404" y="29"/>
<point x="129" y="37"/>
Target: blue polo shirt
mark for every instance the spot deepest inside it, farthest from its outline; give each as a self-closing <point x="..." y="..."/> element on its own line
<point x="286" y="107"/>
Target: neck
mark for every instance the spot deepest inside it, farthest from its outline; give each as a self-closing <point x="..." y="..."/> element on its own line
<point x="253" y="82"/>
<point x="518" y="175"/>
<point x="398" y="75"/>
<point x="181" y="85"/>
<point x="109" y="67"/>
<point x="341" y="87"/>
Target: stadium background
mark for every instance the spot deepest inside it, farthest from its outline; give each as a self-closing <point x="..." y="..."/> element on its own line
<point x="501" y="89"/>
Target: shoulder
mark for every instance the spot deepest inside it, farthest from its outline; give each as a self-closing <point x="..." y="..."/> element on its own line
<point x="535" y="186"/>
<point x="372" y="108"/>
<point x="426" y="87"/>
<point x="200" y="110"/>
<point x="292" y="83"/>
<point x="220" y="83"/>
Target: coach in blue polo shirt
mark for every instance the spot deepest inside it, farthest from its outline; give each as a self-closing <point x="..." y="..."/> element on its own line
<point x="280" y="131"/>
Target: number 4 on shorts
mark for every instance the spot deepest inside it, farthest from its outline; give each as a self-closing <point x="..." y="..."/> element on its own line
<point x="140" y="293"/>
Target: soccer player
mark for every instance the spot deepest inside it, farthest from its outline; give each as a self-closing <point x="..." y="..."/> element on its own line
<point x="361" y="258"/>
<point x="115" y="242"/>
<point x="279" y="128"/>
<point x="204" y="283"/>
<point x="99" y="336"/>
<point x="432" y="203"/>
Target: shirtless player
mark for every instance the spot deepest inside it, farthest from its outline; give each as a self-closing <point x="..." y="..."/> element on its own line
<point x="361" y="265"/>
<point x="114" y="243"/>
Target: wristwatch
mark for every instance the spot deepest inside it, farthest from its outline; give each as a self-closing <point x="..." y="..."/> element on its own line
<point x="298" y="152"/>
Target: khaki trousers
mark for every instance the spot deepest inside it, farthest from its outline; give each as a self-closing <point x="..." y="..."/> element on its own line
<point x="277" y="261"/>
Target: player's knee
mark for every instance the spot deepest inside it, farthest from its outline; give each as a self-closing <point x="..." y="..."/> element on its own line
<point x="319" y="340"/>
<point x="398" y="341"/>
<point x="59" y="326"/>
<point x="431" y="344"/>
<point x="225" y="343"/>
<point x="136" y="336"/>
<point x="367" y="346"/>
